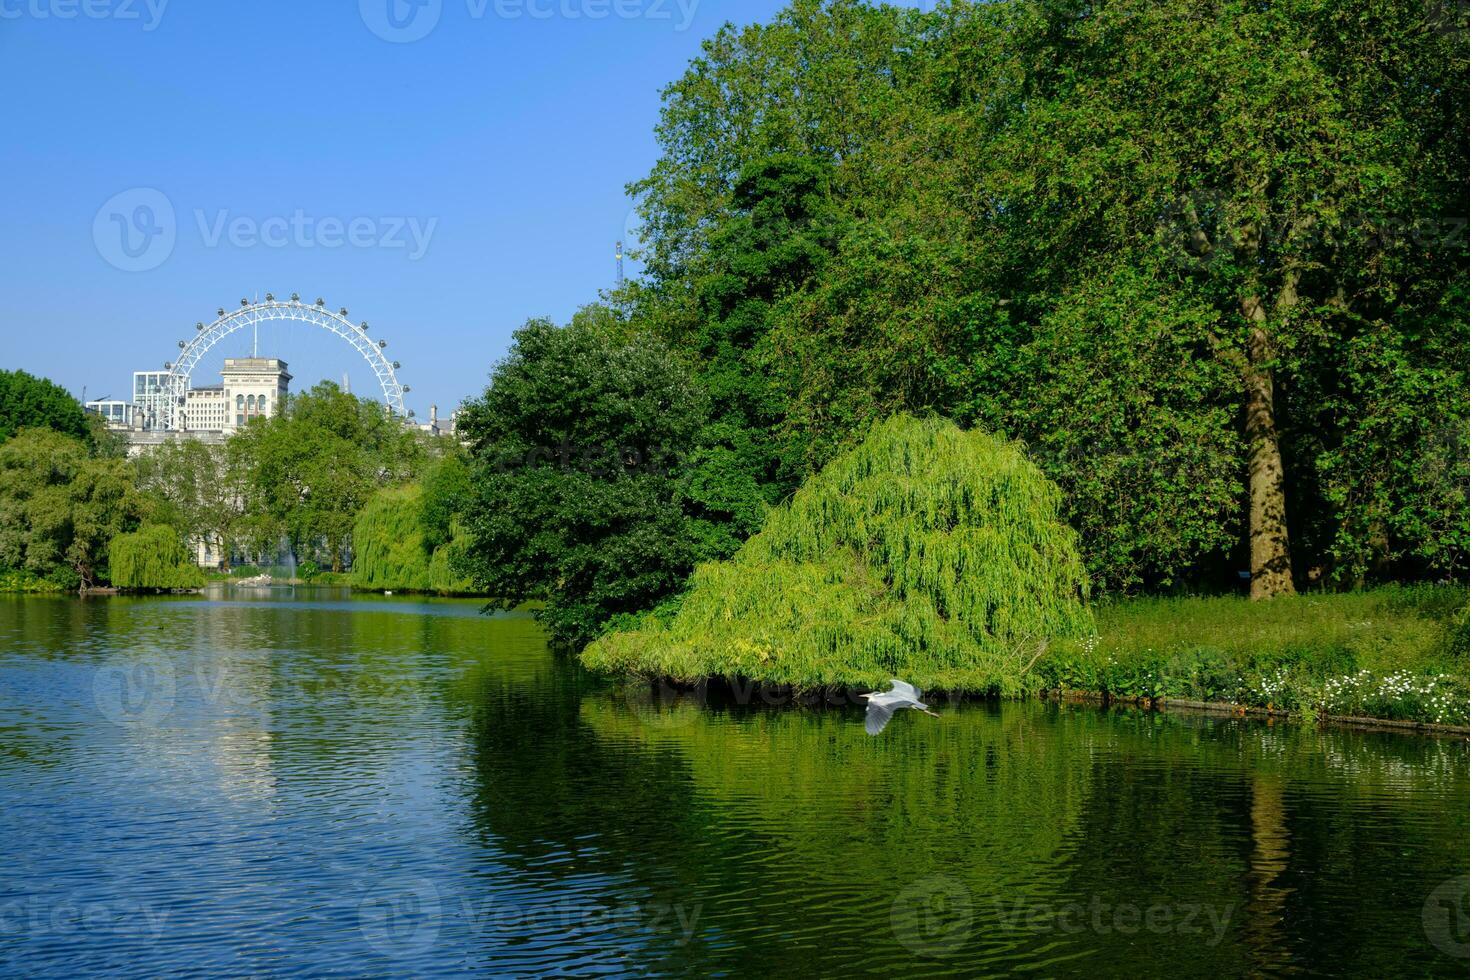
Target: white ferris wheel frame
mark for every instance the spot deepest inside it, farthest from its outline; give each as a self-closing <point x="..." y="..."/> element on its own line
<point x="254" y="314"/>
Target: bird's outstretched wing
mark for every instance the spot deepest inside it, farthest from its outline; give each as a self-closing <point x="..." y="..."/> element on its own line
<point x="878" y="718"/>
<point x="905" y="688"/>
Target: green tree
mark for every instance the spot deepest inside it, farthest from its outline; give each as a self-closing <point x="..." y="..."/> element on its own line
<point x="927" y="553"/>
<point x="394" y="550"/>
<point x="27" y="401"/>
<point x="306" y="472"/>
<point x="194" y="488"/>
<point x="1285" y="179"/>
<point x="153" y="559"/>
<point x="60" y="506"/>
<point x="579" y="448"/>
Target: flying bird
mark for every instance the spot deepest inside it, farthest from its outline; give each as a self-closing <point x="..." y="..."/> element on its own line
<point x="882" y="705"/>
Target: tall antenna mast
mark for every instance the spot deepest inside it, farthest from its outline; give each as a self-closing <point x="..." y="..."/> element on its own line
<point x="620" y="265"/>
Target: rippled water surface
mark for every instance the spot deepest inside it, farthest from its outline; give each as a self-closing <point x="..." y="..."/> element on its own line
<point x="308" y="784"/>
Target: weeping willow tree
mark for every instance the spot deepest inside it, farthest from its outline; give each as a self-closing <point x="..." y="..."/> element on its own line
<point x="390" y="552"/>
<point x="927" y="552"/>
<point x="152" y="559"/>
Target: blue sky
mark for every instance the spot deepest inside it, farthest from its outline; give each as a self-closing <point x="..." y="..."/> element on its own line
<point x="445" y="187"/>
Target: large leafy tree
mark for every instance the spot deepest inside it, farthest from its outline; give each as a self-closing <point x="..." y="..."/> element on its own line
<point x="1037" y="194"/>
<point x="196" y="489"/>
<point x="578" y="493"/>
<point x="307" y="472"/>
<point x="60" y="506"/>
<point x="27" y="401"/>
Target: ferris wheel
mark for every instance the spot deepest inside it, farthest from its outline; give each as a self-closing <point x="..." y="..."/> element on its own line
<point x="251" y="315"/>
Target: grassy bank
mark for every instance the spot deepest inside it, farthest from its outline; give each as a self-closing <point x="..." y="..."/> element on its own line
<point x="1398" y="654"/>
<point x="1393" y="653"/>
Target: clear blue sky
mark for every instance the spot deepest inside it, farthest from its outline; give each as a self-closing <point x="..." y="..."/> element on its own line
<point x="512" y="132"/>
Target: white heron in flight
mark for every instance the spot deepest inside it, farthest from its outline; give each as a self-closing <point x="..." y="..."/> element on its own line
<point x="882" y="705"/>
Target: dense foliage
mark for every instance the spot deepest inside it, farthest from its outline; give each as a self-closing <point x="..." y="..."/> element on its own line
<point x="1207" y="259"/>
<point x="153" y="559"/>
<point x="27" y="401"/>
<point x="926" y="553"/>
<point x="580" y="496"/>
<point x="393" y="550"/>
<point x="198" y="490"/>
<point x="60" y="505"/>
<point x="306" y="473"/>
<point x="299" y="479"/>
<point x="1393" y="652"/>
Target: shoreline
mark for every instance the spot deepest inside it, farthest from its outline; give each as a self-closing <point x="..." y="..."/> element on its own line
<point x="1185" y="705"/>
<point x="743" y="692"/>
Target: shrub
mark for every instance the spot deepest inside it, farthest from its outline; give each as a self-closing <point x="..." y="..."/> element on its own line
<point x="927" y="552"/>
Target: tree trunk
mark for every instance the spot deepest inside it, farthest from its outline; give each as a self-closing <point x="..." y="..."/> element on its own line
<point x="1270" y="552"/>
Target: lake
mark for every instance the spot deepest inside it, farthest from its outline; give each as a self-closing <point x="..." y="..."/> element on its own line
<point x="308" y="783"/>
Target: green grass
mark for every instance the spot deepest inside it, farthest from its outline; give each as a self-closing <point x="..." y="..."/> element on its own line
<point x="1393" y="653"/>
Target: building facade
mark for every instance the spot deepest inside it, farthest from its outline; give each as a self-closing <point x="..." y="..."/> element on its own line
<point x="251" y="387"/>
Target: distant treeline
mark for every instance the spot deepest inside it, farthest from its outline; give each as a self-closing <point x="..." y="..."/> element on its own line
<point x="76" y="512"/>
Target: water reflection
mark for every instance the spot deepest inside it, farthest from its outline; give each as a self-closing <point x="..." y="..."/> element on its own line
<point x="313" y="784"/>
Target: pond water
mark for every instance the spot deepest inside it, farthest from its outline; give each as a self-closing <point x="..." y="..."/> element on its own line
<point x="311" y="784"/>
